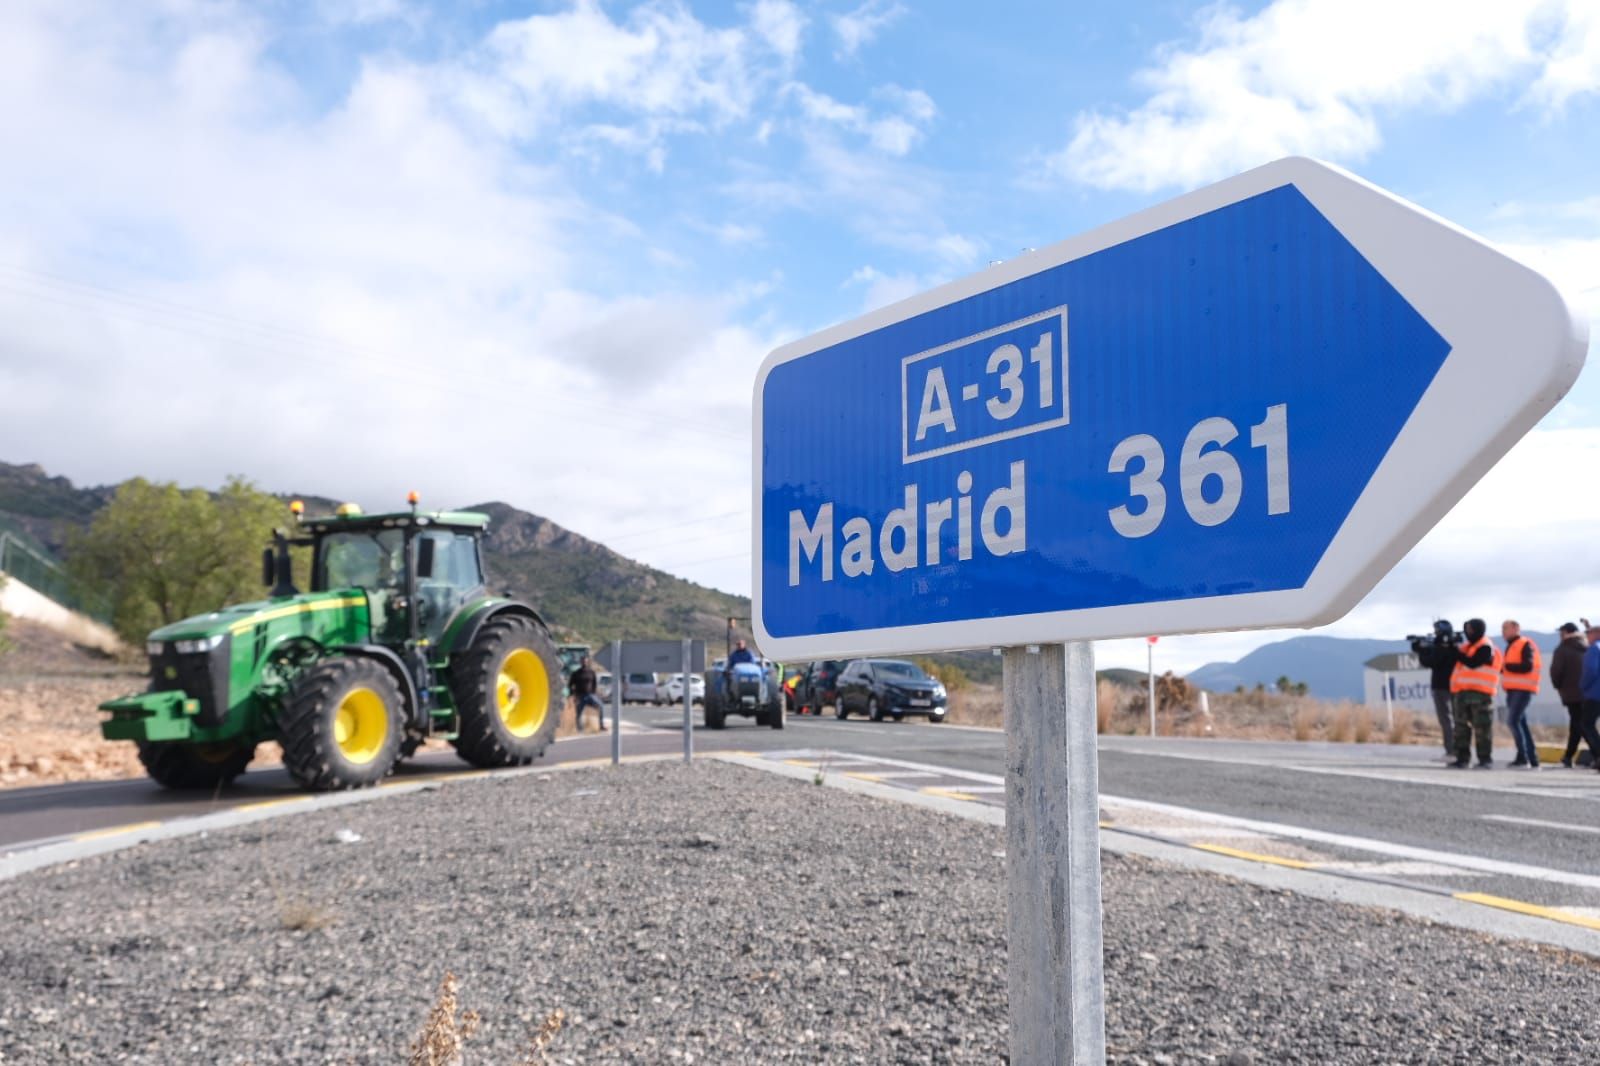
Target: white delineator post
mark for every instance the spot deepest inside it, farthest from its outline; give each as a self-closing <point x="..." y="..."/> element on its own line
<point x="617" y="680"/>
<point x="1150" y="681"/>
<point x="1055" y="956"/>
<point x="688" y="703"/>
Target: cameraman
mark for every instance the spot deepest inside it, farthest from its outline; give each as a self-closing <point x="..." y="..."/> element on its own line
<point x="1439" y="655"/>
<point x="1473" y="684"/>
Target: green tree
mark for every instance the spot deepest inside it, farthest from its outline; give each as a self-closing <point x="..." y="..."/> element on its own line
<point x="1284" y="685"/>
<point x="158" y="553"/>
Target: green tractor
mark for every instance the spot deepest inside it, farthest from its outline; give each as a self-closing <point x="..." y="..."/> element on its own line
<point x="397" y="641"/>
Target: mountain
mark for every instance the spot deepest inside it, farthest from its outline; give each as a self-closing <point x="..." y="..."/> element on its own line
<point x="586" y="590"/>
<point x="1330" y="666"/>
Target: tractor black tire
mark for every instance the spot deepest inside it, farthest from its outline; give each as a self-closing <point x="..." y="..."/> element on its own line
<point x="313" y="751"/>
<point x="488" y="737"/>
<point x="776" y="717"/>
<point x="178" y="764"/>
<point x="716" y="718"/>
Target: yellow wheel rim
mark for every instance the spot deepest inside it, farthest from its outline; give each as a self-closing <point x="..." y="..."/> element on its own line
<point x="522" y="693"/>
<point x="361" y="725"/>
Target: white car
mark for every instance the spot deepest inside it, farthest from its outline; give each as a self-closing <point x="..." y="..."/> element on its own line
<point x="670" y="691"/>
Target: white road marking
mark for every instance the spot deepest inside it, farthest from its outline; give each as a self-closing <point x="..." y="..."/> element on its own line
<point x="1405" y="774"/>
<point x="1568" y="826"/>
<point x="1381" y="847"/>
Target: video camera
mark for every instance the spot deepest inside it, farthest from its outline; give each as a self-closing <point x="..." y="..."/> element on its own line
<point x="1443" y="633"/>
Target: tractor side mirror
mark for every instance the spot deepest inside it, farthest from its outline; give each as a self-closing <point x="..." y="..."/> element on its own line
<point x="425" y="548"/>
<point x="269" y="575"/>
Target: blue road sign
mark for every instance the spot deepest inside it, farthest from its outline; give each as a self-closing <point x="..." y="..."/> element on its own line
<point x="1161" y="427"/>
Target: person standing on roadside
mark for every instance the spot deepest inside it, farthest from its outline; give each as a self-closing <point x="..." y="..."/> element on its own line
<point x="582" y="685"/>
<point x="1439" y="656"/>
<point x="1589" y="682"/>
<point x="1566" y="672"/>
<point x="1520" y="679"/>
<point x="1472" y="686"/>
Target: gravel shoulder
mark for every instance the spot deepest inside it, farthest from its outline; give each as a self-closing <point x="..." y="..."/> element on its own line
<point x="712" y="914"/>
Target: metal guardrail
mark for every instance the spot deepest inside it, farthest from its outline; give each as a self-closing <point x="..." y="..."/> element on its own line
<point x="46" y="577"/>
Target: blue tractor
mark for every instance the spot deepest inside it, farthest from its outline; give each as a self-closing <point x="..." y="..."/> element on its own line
<point x="750" y="689"/>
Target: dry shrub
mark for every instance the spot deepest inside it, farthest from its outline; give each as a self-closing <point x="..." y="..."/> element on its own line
<point x="1107" y="698"/>
<point x="304" y="915"/>
<point x="1304" y="723"/>
<point x="1401" y="729"/>
<point x="539" y="1051"/>
<point x="981" y="705"/>
<point x="444" y="1031"/>
<point x="1363" y="726"/>
<point x="1343" y="726"/>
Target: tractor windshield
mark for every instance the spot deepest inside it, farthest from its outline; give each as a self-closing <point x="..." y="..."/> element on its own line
<point x="369" y="559"/>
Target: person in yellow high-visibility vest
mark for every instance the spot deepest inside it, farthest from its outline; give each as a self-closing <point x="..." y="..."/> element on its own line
<point x="1472" y="687"/>
<point x="1520" y="679"/>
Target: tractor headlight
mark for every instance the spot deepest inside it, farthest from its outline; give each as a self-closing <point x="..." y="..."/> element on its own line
<point x="202" y="644"/>
<point x="154" y="648"/>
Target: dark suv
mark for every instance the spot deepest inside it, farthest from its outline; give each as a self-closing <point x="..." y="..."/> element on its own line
<point x="892" y="687"/>
<point x="819" y="688"/>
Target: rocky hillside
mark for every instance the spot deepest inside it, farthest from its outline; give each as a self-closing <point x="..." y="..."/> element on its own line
<point x="584" y="588"/>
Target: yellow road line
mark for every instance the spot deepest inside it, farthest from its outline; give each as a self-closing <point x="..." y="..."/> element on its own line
<point x="100" y="834"/>
<point x="1270" y="860"/>
<point x="809" y="764"/>
<point x="948" y="793"/>
<point x="864" y="777"/>
<point x="261" y="805"/>
<point x="1555" y="914"/>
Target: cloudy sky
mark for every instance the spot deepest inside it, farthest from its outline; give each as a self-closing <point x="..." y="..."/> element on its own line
<point x="535" y="251"/>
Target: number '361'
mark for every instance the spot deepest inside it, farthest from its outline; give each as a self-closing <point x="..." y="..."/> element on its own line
<point x="1209" y="478"/>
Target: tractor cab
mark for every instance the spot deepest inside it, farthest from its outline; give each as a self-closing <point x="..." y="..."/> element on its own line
<point x="427" y="560"/>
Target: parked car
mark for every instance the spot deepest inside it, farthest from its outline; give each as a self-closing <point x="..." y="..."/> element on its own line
<point x="670" y="691"/>
<point x="639" y="688"/>
<point x="818" y="690"/>
<point x="602" y="687"/>
<point x="889" y="687"/>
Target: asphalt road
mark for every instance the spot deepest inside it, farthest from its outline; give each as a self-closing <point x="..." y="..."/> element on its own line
<point x="1530" y="835"/>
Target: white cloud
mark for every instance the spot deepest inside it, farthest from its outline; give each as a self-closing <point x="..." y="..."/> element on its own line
<point x="1316" y="76"/>
<point x="781" y="25"/>
<point x="894" y="133"/>
<point x="860" y="27"/>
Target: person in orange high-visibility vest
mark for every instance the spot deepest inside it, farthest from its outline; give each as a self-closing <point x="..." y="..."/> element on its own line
<point x="1472" y="685"/>
<point x="1520" y="679"/>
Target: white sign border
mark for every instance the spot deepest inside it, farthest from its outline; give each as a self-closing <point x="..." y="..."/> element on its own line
<point x="1516" y="348"/>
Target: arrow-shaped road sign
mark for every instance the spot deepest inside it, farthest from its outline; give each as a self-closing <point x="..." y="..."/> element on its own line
<point x="1237" y="409"/>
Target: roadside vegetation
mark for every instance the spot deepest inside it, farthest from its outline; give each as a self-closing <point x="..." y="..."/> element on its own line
<point x="158" y="553"/>
<point x="1284" y="712"/>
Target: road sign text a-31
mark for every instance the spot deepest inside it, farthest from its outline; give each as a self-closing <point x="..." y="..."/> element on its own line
<point x="1219" y="413"/>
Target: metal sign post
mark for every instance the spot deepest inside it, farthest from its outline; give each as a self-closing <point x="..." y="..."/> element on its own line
<point x="688" y="701"/>
<point x="1053" y="856"/>
<point x="618" y="679"/>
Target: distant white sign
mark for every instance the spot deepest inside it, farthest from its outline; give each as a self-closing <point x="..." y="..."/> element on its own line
<point x="1412" y="690"/>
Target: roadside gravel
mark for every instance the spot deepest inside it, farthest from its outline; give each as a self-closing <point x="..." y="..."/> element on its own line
<point x="712" y="914"/>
